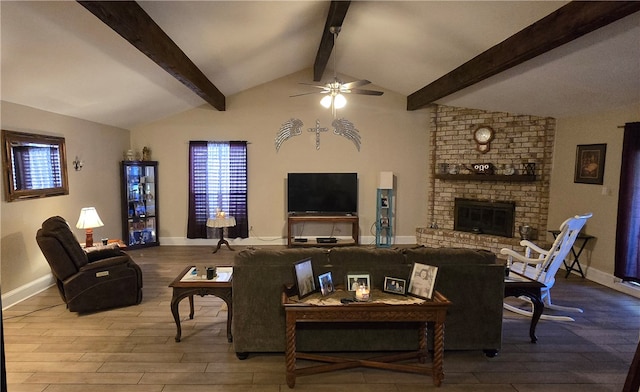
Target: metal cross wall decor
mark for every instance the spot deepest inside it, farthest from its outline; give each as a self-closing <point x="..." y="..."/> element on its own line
<point x="317" y="130"/>
<point x="341" y="127"/>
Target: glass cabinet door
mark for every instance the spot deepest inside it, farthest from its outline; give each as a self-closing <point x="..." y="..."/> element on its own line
<point x="139" y="180"/>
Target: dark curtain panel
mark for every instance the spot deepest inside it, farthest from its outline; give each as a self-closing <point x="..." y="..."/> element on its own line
<point x="200" y="209"/>
<point x="197" y="219"/>
<point x="20" y="168"/>
<point x="55" y="166"/>
<point x="238" y="189"/>
<point x="627" y="261"/>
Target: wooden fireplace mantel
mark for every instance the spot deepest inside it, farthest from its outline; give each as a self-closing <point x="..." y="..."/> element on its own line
<point x="487" y="177"/>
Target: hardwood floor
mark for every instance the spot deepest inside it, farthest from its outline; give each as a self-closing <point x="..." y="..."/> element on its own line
<point x="50" y="349"/>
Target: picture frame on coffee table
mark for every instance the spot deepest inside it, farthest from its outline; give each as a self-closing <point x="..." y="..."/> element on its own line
<point x="355" y="279"/>
<point x="394" y="285"/>
<point x="303" y="271"/>
<point x="326" y="283"/>
<point x="422" y="280"/>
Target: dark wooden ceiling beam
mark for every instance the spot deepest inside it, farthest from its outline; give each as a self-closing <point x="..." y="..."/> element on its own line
<point x="564" y="25"/>
<point x="129" y="20"/>
<point x="337" y="12"/>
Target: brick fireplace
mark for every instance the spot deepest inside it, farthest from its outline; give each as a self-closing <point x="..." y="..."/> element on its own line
<point x="518" y="140"/>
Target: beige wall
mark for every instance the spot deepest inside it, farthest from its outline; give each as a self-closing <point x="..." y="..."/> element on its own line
<point x="97" y="184"/>
<point x="569" y="198"/>
<point x="393" y="139"/>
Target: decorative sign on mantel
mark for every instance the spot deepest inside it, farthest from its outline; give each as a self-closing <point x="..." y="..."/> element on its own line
<point x="481" y="168"/>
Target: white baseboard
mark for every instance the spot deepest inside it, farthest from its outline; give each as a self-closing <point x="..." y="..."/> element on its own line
<point x="26" y="291"/>
<point x="610" y="281"/>
<point x="251" y="241"/>
<point x="258" y="241"/>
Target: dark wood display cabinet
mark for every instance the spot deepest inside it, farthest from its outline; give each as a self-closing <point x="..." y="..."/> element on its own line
<point x="139" y="180"/>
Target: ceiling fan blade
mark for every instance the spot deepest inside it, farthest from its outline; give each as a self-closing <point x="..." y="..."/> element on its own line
<point x="357" y="83"/>
<point x="314" y="85"/>
<point x="313" y="92"/>
<point x="365" y="92"/>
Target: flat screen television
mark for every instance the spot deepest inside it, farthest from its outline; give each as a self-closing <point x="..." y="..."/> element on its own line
<point x="322" y="193"/>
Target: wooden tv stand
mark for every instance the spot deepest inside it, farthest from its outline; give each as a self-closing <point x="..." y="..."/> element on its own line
<point x="333" y="219"/>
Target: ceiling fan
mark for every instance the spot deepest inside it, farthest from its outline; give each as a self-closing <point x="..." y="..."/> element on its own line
<point x="335" y="89"/>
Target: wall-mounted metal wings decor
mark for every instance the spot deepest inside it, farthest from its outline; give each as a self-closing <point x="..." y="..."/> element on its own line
<point x="345" y="128"/>
<point x="341" y="127"/>
<point x="289" y="129"/>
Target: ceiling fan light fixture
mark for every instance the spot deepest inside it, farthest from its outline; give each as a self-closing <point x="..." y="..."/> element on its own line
<point x="335" y="90"/>
<point x="326" y="101"/>
<point x="339" y="101"/>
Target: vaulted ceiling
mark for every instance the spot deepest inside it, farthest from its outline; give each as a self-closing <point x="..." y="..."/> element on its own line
<point x="58" y="56"/>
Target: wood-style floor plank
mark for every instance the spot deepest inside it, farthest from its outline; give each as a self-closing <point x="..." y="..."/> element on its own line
<point x="132" y="349"/>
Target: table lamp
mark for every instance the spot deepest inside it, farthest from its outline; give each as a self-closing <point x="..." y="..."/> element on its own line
<point x="88" y="220"/>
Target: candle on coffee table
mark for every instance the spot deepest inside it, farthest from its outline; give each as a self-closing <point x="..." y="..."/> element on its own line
<point x="362" y="293"/>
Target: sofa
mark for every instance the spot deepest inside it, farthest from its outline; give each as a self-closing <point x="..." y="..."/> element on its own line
<point x="88" y="280"/>
<point x="471" y="279"/>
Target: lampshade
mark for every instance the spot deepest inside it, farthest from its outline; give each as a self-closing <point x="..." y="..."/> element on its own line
<point x="89" y="219"/>
<point x="326" y="101"/>
<point x="339" y="101"/>
<point x="386" y="180"/>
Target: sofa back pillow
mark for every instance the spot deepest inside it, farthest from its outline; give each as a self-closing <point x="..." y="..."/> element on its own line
<point x="443" y="256"/>
<point x="378" y="263"/>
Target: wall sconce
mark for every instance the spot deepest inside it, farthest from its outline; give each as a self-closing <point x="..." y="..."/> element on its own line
<point x="77" y="164"/>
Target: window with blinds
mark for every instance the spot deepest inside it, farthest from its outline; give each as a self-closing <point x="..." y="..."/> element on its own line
<point x="217" y="182"/>
<point x="36" y="167"/>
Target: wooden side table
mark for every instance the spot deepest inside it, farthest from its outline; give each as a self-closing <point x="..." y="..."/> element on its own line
<point x="423" y="312"/>
<point x="516" y="285"/>
<point x="188" y="288"/>
<point x="221" y="223"/>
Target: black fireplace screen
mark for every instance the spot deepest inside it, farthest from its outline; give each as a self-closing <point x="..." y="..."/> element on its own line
<point x="484" y="217"/>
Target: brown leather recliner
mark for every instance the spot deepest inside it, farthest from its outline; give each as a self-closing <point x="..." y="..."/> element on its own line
<point x="102" y="279"/>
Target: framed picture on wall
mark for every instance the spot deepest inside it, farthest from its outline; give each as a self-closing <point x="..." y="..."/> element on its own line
<point x="590" y="163"/>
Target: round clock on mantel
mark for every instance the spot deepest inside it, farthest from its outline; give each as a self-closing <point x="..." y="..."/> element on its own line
<point x="483" y="135"/>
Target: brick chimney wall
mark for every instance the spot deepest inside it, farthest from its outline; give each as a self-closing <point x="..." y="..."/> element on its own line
<point x="518" y="139"/>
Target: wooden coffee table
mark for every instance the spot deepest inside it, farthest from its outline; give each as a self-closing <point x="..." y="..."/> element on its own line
<point x="187" y="286"/>
<point x="423" y="312"/>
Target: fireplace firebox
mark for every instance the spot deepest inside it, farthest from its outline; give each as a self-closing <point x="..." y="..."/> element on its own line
<point x="484" y="217"/>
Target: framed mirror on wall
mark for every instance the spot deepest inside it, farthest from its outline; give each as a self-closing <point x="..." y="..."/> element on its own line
<point x="33" y="165"/>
